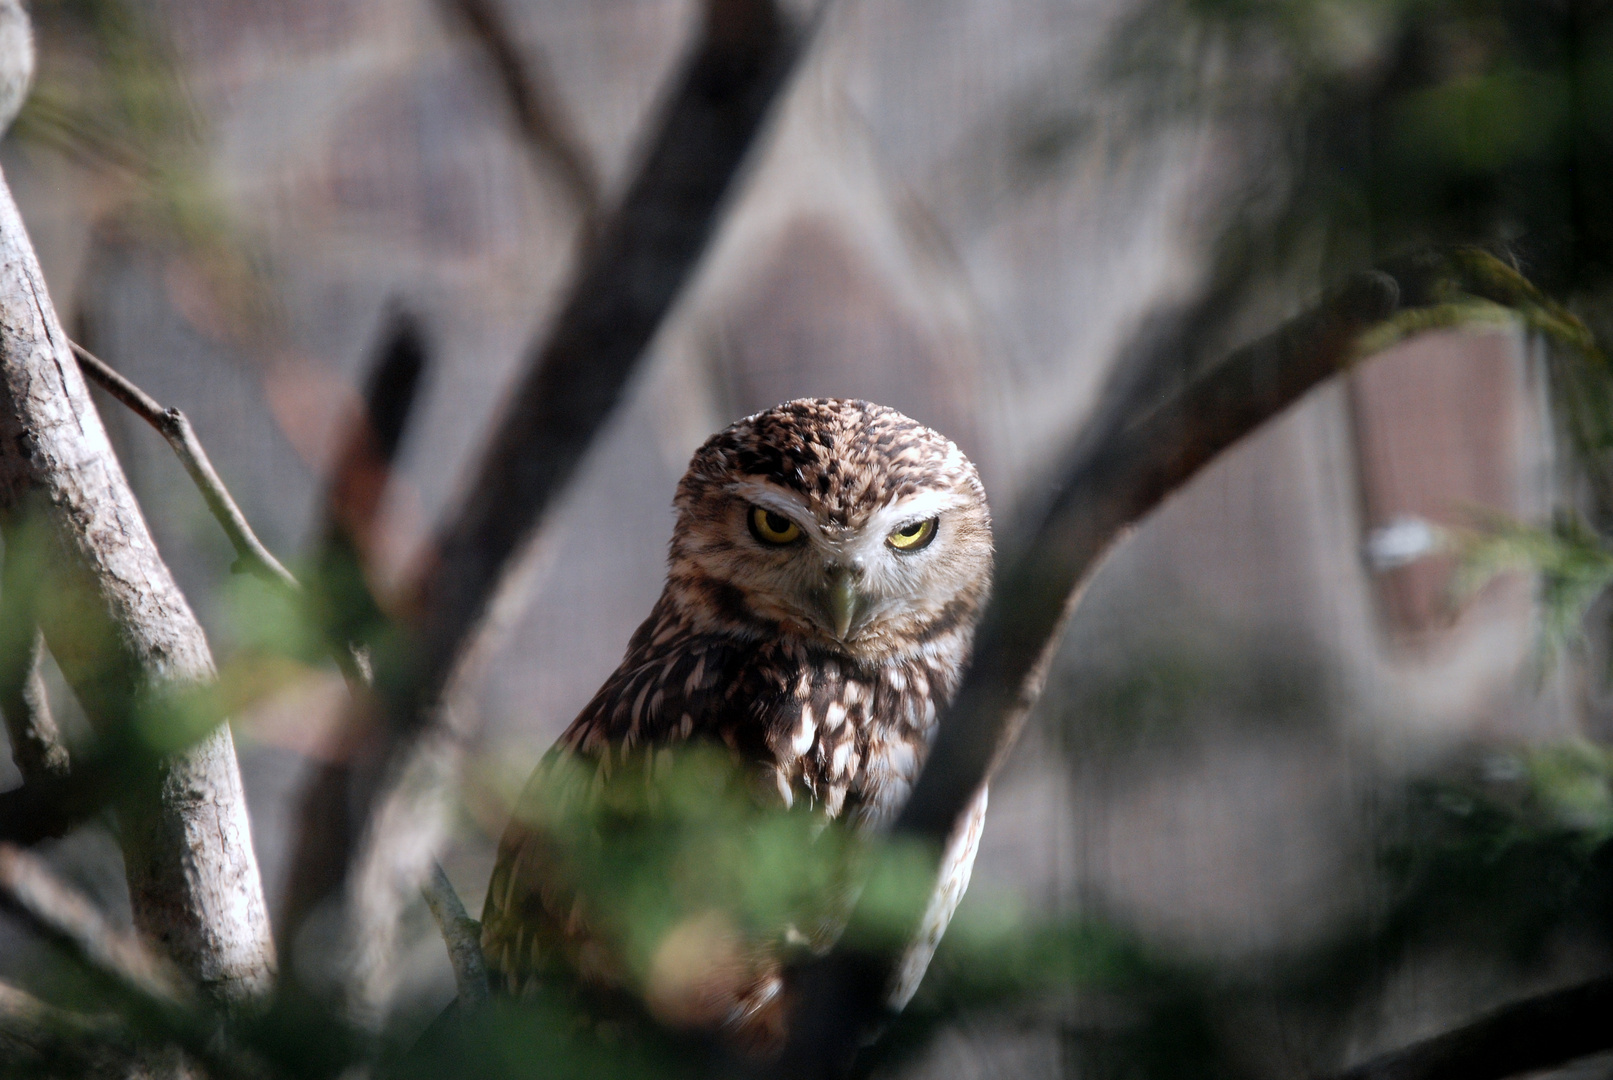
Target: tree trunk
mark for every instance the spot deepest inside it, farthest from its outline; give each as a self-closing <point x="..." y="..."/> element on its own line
<point x="124" y="637"/>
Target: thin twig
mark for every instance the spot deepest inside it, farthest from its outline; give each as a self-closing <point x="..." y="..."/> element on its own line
<point x="251" y="556"/>
<point x="1528" y="1036"/>
<point x="551" y="139"/>
<point x="461" y="933"/>
<point x="174" y="426"/>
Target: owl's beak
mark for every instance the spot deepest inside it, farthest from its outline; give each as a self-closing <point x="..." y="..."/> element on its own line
<point x="840" y="602"/>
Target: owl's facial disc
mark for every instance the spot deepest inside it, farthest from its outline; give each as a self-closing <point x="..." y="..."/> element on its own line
<point x="845" y="582"/>
<point x="834" y="522"/>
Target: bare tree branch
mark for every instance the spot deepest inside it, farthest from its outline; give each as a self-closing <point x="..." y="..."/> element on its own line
<point x="125" y="639"/>
<point x="174" y="426"/>
<point x="532" y="96"/>
<point x="461" y="933"/>
<point x="644" y="252"/>
<point x="1528" y="1036"/>
<point x="628" y="280"/>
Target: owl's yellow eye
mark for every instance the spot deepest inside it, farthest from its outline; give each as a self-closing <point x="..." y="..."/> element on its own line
<point x="912" y="537"/>
<point x="771" y="528"/>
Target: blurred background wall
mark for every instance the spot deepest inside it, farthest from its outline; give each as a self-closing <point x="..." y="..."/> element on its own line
<point x="923" y="227"/>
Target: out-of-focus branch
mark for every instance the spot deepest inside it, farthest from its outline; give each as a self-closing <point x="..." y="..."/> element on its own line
<point x="461" y="933"/>
<point x="50" y="806"/>
<point x="1528" y="1036"/>
<point x="174" y="426"/>
<point x="360" y="475"/>
<point x="552" y="140"/>
<point x="1106" y="489"/>
<point x="646" y="251"/>
<point x="123" y="636"/>
<point x="30" y="890"/>
<point x="643" y="253"/>
<point x="36" y="1038"/>
<point x="36" y="742"/>
<point x="343" y="601"/>
<point x="152" y="995"/>
<point x="1111" y="480"/>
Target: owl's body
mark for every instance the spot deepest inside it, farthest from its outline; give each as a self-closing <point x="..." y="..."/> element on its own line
<point x="828" y="566"/>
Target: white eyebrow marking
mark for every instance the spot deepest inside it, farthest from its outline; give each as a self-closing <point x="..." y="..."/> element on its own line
<point x="920" y="507"/>
<point x="778" y="500"/>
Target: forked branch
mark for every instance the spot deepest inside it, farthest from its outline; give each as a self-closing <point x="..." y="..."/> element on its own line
<point x="174" y="426"/>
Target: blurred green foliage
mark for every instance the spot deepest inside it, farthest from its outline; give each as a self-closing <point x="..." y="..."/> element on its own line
<point x="1378" y="126"/>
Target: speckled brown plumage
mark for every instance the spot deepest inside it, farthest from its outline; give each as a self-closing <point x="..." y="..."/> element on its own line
<point x="818" y="663"/>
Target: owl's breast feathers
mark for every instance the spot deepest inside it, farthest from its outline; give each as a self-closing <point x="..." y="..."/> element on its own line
<point x="805" y="724"/>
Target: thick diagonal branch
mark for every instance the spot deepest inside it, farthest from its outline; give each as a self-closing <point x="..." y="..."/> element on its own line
<point x="1525" y="1037"/>
<point x="125" y="640"/>
<point x="644" y="252"/>
<point x="1111" y="480"/>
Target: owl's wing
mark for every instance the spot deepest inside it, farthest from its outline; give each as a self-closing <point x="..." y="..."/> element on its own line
<point x="554" y="908"/>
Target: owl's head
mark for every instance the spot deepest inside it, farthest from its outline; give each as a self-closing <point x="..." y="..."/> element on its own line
<point x="840" y="522"/>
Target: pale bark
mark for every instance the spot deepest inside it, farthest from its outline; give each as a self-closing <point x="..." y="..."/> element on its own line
<point x="123" y="635"/>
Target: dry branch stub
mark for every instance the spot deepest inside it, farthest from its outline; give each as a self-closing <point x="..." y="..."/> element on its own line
<point x="125" y="638"/>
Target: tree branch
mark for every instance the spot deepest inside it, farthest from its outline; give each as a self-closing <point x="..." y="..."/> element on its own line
<point x="343" y="601"/>
<point x="461" y="933"/>
<point x="150" y="993"/>
<point x="125" y="639"/>
<point x="532" y="98"/>
<point x="1111" y="480"/>
<point x="36" y="744"/>
<point x="644" y="252"/>
<point x="1528" y="1036"/>
<point x="30" y="890"/>
<point x="174" y="426"/>
<point x="36" y="1037"/>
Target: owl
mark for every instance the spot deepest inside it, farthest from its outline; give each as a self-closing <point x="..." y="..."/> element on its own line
<point x="829" y="563"/>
